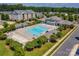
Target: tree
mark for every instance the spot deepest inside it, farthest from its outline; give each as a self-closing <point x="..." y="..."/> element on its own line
<point x="12" y="27"/>
<point x="19" y="53"/>
<point x="4" y="16"/>
<point x="6" y="7"/>
<point x="19" y="50"/>
<point x="64" y="16"/>
<point x="70" y="17"/>
<point x="59" y="34"/>
<point x="75" y="17"/>
<point x="43" y="39"/>
<point x="8" y="27"/>
<point x="37" y="43"/>
<point x="37" y="21"/>
<point x="5" y="24"/>
<point x="48" y="15"/>
<point x="8" y="41"/>
<point x="29" y="46"/>
<point x="16" y="47"/>
<point x="58" y="14"/>
<point x="53" y="38"/>
<point x="7" y="17"/>
<point x="61" y="28"/>
<point x="71" y="26"/>
<point x="19" y="6"/>
<point x="2" y="36"/>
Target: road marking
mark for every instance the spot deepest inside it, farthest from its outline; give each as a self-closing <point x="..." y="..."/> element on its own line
<point x="63" y="42"/>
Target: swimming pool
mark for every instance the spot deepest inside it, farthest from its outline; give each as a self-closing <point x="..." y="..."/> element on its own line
<point x="37" y="30"/>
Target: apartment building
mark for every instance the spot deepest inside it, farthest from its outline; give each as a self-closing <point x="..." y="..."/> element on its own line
<point x="22" y="15"/>
<point x="57" y="21"/>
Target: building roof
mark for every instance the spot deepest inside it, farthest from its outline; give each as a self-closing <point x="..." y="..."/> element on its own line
<point x="59" y="20"/>
<point x="16" y="12"/>
<point x="6" y="12"/>
<point x="56" y="18"/>
<point x="66" y="22"/>
<point x="29" y="11"/>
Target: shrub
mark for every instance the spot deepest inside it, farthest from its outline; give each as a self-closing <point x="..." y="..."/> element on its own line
<point x="13" y="44"/>
<point x="29" y="46"/>
<point x="59" y="34"/>
<point x="4" y="16"/>
<point x="37" y="43"/>
<point x="11" y="27"/>
<point x="62" y="27"/>
<point x="19" y="53"/>
<point x="8" y="41"/>
<point x="3" y="36"/>
<point x="53" y="38"/>
<point x="43" y="39"/>
<point x="71" y="26"/>
<point x="16" y="47"/>
<point x="5" y="24"/>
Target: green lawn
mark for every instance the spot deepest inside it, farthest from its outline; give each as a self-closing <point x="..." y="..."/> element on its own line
<point x="40" y="51"/>
<point x="4" y="50"/>
<point x="65" y="31"/>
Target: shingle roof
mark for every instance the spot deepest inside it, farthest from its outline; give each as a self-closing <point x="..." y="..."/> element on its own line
<point x="56" y="18"/>
<point x="22" y="12"/>
<point x="59" y="20"/>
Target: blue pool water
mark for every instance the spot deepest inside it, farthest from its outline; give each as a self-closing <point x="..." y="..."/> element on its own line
<point x="37" y="30"/>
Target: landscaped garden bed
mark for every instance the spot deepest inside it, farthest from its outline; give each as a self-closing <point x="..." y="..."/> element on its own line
<point x="43" y="49"/>
<point x="35" y="48"/>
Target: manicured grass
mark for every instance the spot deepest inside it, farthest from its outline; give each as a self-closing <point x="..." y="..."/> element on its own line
<point x="66" y="31"/>
<point x="40" y="51"/>
<point x="45" y="47"/>
<point x="5" y="50"/>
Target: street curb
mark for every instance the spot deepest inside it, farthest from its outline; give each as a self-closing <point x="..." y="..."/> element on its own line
<point x="72" y="31"/>
<point x="58" y="43"/>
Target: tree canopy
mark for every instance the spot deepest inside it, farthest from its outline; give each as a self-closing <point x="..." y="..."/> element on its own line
<point x="6" y="7"/>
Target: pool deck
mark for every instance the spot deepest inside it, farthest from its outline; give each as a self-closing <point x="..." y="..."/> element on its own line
<point x="22" y="36"/>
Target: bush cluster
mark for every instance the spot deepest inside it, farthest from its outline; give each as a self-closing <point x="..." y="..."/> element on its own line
<point x="37" y="43"/>
<point x="16" y="47"/>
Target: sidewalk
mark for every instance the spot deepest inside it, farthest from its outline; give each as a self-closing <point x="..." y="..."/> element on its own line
<point x="58" y="43"/>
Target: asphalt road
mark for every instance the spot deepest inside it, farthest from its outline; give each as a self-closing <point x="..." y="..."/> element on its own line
<point x="65" y="49"/>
